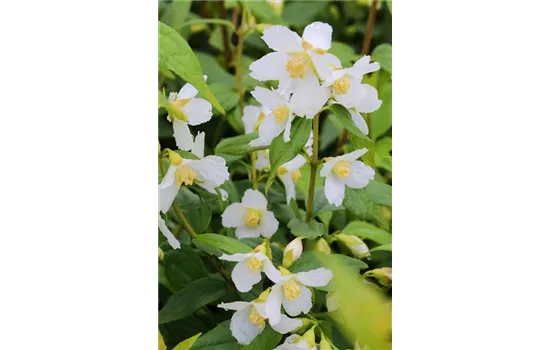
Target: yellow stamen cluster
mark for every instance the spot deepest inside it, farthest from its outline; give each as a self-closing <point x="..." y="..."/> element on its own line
<point x="282" y="170"/>
<point x="253" y="264"/>
<point x="281" y="114"/>
<point x="185" y="175"/>
<point x="253" y="217"/>
<point x="292" y="289"/>
<point x="307" y="46"/>
<point x="341" y="169"/>
<point x="342" y="85"/>
<point x="296" y="175"/>
<point x="298" y="65"/>
<point x="255" y="318"/>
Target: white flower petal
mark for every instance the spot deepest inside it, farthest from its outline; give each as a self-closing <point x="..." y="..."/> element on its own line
<point x="235" y="305"/>
<point x="244" y="278"/>
<point x="254" y="199"/>
<point x="315" y="278"/>
<point x="187" y="91"/>
<point x="293" y="342"/>
<point x="271" y="271"/>
<point x="211" y="170"/>
<point x="169" y="178"/>
<point x="369" y="101"/>
<point x="359" y="121"/>
<point x="269" y="67"/>
<point x="300" y="304"/>
<point x="290" y="187"/>
<point x="359" y="175"/>
<point x="268" y="224"/>
<point x="288" y="126"/>
<point x="324" y="65"/>
<point x="242" y="328"/>
<point x="235" y="257"/>
<point x="269" y="98"/>
<point x="286" y="324"/>
<point x="260" y="308"/>
<point x="309" y="97"/>
<point x="334" y="190"/>
<point x="182" y="134"/>
<point x="296" y="162"/>
<point x="363" y="66"/>
<point x="269" y="129"/>
<point x="198" y="145"/>
<point x="319" y="35"/>
<point x="280" y="38"/>
<point x="273" y="304"/>
<point x="197" y="111"/>
<point x="262" y="162"/>
<point x="247" y="232"/>
<point x="172" y="240"/>
<point x="349" y="157"/>
<point x="250" y="118"/>
<point x="353" y="97"/>
<point x="234" y="215"/>
<point x="224" y="194"/>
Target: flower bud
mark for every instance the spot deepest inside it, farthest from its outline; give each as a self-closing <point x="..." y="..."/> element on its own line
<point x="263" y="297"/>
<point x="292" y="252"/>
<point x="175" y="159"/>
<point x="161" y="255"/>
<point x="262" y="26"/>
<point x="382" y="275"/>
<point x="322" y="246"/>
<point x="332" y="301"/>
<point x="309" y="336"/>
<point x="357" y="247"/>
<point x="324" y="344"/>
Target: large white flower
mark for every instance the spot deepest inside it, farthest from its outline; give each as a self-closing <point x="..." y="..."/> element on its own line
<point x="253" y="116"/>
<point x="306" y="102"/>
<point x="291" y="62"/>
<point x="195" y="111"/>
<point x="247" y="271"/>
<point x="207" y="172"/>
<point x="344" y="171"/>
<point x="289" y="173"/>
<point x="172" y="240"/>
<point x="249" y="320"/>
<point x="250" y="217"/>
<point x="291" y="290"/>
<point x="295" y="342"/>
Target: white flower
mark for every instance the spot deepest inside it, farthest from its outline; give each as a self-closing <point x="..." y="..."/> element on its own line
<point x="295" y="342"/>
<point x="172" y="240"/>
<point x="291" y="291"/>
<point x="289" y="173"/>
<point x="250" y="217"/>
<point x="292" y="251"/>
<point x="247" y="271"/>
<point x="249" y="320"/>
<point x="253" y="116"/>
<point x="343" y="171"/>
<point x="291" y="62"/>
<point x="306" y="102"/>
<point x="262" y="162"/>
<point x="195" y="110"/>
<point x="309" y="144"/>
<point x="209" y="173"/>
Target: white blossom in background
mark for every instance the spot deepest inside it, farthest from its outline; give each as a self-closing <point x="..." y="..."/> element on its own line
<point x="344" y="171"/>
<point x="195" y="110"/>
<point x="289" y="173"/>
<point x="208" y="172"/>
<point x="253" y="117"/>
<point x="250" y="217"/>
<point x="291" y="62"/>
<point x="291" y="290"/>
<point x="172" y="240"/>
<point x="296" y="342"/>
<point x="262" y="160"/>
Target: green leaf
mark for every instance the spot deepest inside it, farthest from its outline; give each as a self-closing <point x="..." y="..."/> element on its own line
<point x="383" y="247"/>
<point x="344" y="117"/>
<point x="380" y="193"/>
<point x="186" y="154"/>
<point x="215" y="73"/>
<point x="215" y="244"/>
<point x="238" y="145"/>
<point x="358" y="143"/>
<point x="192" y="297"/>
<point x="321" y="204"/>
<point x="344" y="52"/>
<point x="382" y="155"/>
<point x="263" y="11"/>
<point x="183" y="266"/>
<point x="176" y="14"/>
<point x="365" y="202"/>
<point x="302" y="13"/>
<point x="220" y="338"/>
<point x="187" y="343"/>
<point x="365" y="230"/>
<point x="382" y="55"/>
<point x="310" y="230"/>
<point x="268" y="339"/>
<point x="381" y="118"/>
<point x="196" y="211"/>
<point x="175" y="54"/>
<point x="281" y="152"/>
<point x="228" y="97"/>
<point x="209" y="21"/>
<point x="310" y="260"/>
<point x="162" y="277"/>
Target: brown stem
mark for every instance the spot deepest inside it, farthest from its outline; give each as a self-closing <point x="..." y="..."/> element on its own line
<point x="370" y="25"/>
<point x="225" y="35"/>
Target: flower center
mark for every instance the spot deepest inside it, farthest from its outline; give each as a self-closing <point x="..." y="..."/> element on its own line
<point x="281" y="171"/>
<point x="185" y="175"/>
<point x="292" y="289"/>
<point x="255" y="318"/>
<point x="297" y="65"/>
<point x="296" y="175"/>
<point x="342" y="85"/>
<point x="281" y="114"/>
<point x="180" y="103"/>
<point x="253" y="217"/>
<point x="341" y="169"/>
<point x="253" y="264"/>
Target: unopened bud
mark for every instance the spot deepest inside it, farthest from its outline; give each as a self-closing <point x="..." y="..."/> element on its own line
<point x="382" y="275"/>
<point x="161" y="255"/>
<point x="324" y="344"/>
<point x="292" y="252"/>
<point x="175" y="159"/>
<point x="332" y="301"/>
<point x="322" y="246"/>
<point x="284" y="271"/>
<point x="263" y="297"/>
<point x="306" y="323"/>
<point x="309" y="336"/>
<point x="357" y="247"/>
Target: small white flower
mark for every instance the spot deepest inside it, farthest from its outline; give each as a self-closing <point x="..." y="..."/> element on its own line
<point x="253" y="116"/>
<point x="249" y="320"/>
<point x="295" y="342"/>
<point x="291" y="63"/>
<point x="209" y="173"/>
<point x="250" y="217"/>
<point x="247" y="271"/>
<point x="289" y="173"/>
<point x="306" y="102"/>
<point x="343" y="171"/>
<point x="172" y="240"/>
<point x="291" y="290"/>
<point x="262" y="162"/>
<point x="195" y="110"/>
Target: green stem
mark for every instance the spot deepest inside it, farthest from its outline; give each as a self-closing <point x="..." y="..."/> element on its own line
<point x="253" y="177"/>
<point x="313" y="165"/>
<point x="238" y="62"/>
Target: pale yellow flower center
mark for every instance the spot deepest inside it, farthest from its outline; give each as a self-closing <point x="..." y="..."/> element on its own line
<point x="180" y="103"/>
<point x="297" y="65"/>
<point x="307" y="46"/>
<point x="281" y="114"/>
<point x="342" y="85"/>
<point x="185" y="175"/>
<point x="296" y="175"/>
<point x="281" y="171"/>
<point x="341" y="169"/>
<point x="255" y="318"/>
<point x="253" y="217"/>
<point x="253" y="264"/>
<point x="292" y="289"/>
